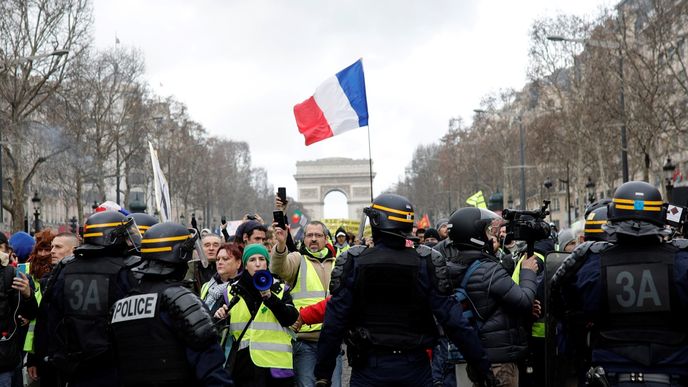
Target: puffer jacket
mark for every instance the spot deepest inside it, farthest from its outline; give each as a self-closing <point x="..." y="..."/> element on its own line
<point x="503" y="307"/>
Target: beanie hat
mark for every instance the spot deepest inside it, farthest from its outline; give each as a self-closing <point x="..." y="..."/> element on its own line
<point x="431" y="233"/>
<point x="254" y="249"/>
<point x="22" y="244"/>
<point x="565" y="237"/>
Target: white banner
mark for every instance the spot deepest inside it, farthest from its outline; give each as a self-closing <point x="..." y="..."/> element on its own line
<point x="162" y="190"/>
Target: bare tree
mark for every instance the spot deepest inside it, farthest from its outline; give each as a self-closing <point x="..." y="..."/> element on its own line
<point x="30" y="29"/>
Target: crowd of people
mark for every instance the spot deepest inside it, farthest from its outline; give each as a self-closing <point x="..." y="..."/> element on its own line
<point x="134" y="302"/>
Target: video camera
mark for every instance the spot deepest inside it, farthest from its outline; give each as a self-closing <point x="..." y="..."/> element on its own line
<point x="528" y="226"/>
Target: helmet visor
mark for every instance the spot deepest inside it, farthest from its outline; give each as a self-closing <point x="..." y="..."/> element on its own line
<point x="133" y="234"/>
<point x="194" y="245"/>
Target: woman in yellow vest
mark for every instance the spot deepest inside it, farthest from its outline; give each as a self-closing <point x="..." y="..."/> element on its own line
<point x="264" y="356"/>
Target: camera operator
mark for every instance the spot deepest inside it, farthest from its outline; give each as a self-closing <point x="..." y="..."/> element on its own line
<point x="531" y="227"/>
<point x="499" y="305"/>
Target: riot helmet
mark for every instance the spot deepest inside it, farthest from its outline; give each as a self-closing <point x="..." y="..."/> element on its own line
<point x="144" y="221"/>
<point x="168" y="242"/>
<point x="472" y="227"/>
<point x="391" y="214"/>
<point x="637" y="209"/>
<point x="111" y="230"/>
<point x="595" y="218"/>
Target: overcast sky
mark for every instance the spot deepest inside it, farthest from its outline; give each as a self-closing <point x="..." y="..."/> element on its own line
<point x="240" y="66"/>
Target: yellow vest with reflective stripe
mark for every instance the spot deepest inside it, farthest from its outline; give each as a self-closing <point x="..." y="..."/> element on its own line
<point x="538" y="326"/>
<point x="28" y="341"/>
<point x="343" y="249"/>
<point x="308" y="290"/>
<point x="268" y="342"/>
<point x="204" y="290"/>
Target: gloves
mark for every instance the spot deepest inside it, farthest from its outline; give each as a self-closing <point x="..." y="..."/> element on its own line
<point x="323" y="383"/>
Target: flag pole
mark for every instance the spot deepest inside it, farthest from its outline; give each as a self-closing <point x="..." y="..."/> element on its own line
<point x="370" y="165"/>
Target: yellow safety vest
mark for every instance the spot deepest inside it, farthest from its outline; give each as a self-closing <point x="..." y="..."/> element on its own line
<point x="308" y="290"/>
<point x="204" y="290"/>
<point x="343" y="249"/>
<point x="268" y="342"/>
<point x="538" y="326"/>
<point x="28" y="341"/>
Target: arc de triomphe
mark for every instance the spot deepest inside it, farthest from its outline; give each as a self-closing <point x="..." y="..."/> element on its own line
<point x="316" y="178"/>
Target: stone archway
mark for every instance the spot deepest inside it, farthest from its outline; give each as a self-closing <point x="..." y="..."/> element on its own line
<point x="316" y="178"/>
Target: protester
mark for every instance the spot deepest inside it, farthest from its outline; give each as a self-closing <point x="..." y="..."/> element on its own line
<point x="228" y="264"/>
<point x="262" y="353"/>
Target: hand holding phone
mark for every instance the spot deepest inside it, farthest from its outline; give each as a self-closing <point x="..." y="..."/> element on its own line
<point x="278" y="217"/>
<point x="223" y="219"/>
<point x="282" y="194"/>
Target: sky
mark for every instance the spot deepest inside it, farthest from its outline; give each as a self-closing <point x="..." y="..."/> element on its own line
<point x="241" y="66"/>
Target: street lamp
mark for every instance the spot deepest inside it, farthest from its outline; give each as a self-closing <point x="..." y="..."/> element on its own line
<point x="522" y="142"/>
<point x="668" y="170"/>
<point x="590" y="187"/>
<point x="36" y="200"/>
<point x="622" y="104"/>
<point x="3" y="68"/>
<point x="94" y="205"/>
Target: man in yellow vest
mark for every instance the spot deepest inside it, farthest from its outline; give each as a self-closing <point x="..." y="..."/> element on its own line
<point x="307" y="272"/>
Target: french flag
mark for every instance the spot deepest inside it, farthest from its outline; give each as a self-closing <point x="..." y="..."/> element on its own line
<point x="339" y="104"/>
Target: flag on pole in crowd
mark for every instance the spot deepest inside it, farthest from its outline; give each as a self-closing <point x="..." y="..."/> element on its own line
<point x="162" y="190"/>
<point x="424" y="222"/>
<point x="338" y="105"/>
<point x="477" y="200"/>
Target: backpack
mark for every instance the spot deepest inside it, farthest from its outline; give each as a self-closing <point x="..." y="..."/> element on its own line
<point x="454" y="355"/>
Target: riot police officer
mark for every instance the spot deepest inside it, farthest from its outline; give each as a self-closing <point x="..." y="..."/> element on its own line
<point x="78" y="298"/>
<point x="144" y="221"/>
<point x="163" y="332"/>
<point x="595" y="218"/>
<point x="633" y="293"/>
<point x="383" y="302"/>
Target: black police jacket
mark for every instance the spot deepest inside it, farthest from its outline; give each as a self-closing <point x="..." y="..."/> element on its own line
<point x="341" y="315"/>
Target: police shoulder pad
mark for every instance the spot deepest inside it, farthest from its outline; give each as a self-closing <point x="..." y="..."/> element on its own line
<point x="355" y="251"/>
<point x="598" y="247"/>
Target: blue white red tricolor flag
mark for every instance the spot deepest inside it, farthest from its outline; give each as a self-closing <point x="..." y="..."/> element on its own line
<point x="338" y="105"/>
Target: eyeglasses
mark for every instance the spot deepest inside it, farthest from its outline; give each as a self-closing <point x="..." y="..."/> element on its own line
<point x="315" y="235"/>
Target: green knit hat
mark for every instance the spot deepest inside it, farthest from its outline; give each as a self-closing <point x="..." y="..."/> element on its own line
<point x="254" y="249"/>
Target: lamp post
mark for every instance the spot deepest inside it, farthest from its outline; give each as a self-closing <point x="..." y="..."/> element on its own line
<point x="590" y="188"/>
<point x="522" y="143"/>
<point x="36" y="200"/>
<point x="73" y="224"/>
<point x="548" y="184"/>
<point x="622" y="104"/>
<point x="94" y="205"/>
<point x="668" y="170"/>
<point x="4" y="63"/>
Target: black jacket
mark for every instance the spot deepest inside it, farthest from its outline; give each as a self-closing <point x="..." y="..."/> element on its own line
<point x="502" y="307"/>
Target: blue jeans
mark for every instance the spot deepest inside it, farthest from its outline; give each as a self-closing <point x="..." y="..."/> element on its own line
<point x="6" y="378"/>
<point x="305" y="357"/>
<point x="442" y="371"/>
